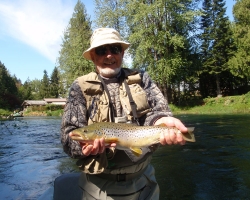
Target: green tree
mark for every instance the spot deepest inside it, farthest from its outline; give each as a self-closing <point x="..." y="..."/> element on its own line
<point x="240" y="63"/>
<point x="25" y="91"/>
<point x="45" y="91"/>
<point x="76" y="39"/>
<point x="111" y="13"/>
<point x="54" y="83"/>
<point x="160" y="33"/>
<point x="36" y="86"/>
<point x="217" y="48"/>
<point x="8" y="89"/>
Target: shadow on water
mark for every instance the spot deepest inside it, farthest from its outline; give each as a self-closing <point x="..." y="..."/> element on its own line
<point x="215" y="167"/>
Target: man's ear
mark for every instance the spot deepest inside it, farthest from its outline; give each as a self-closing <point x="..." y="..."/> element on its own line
<point x="92" y="55"/>
<point x="122" y="53"/>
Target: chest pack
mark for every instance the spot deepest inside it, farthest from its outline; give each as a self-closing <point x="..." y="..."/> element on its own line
<point x="99" y="106"/>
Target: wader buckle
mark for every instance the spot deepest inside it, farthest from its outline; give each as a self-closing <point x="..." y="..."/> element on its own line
<point x="120" y="177"/>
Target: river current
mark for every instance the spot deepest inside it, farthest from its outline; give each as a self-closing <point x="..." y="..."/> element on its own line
<point x="216" y="166"/>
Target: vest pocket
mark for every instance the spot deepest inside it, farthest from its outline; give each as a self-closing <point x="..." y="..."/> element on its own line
<point x="98" y="109"/>
<point x="140" y="98"/>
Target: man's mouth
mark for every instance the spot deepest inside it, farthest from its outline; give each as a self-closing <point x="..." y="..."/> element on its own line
<point x="109" y="63"/>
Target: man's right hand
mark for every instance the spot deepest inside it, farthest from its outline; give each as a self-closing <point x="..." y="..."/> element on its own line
<point x="97" y="147"/>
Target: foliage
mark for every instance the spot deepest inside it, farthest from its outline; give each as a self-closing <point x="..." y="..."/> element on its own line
<point x="161" y="34"/>
<point x="55" y="113"/>
<point x="216" y="49"/>
<point x="76" y="39"/>
<point x="240" y="63"/>
<point x="35" y="86"/>
<point x="53" y="107"/>
<point x="228" y="104"/>
<point x="44" y="85"/>
<point x="54" y="84"/>
<point x="25" y="91"/>
<point x="4" y="112"/>
<point x="158" y="33"/>
<point x="8" y="88"/>
<point x="48" y="110"/>
<point x="110" y="13"/>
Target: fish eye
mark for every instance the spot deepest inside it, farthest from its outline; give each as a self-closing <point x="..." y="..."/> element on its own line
<point x="85" y="130"/>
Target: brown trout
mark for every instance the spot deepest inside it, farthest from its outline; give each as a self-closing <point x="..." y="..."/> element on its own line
<point x="126" y="136"/>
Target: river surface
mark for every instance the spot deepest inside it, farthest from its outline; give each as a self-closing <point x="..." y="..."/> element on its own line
<point x="216" y="167"/>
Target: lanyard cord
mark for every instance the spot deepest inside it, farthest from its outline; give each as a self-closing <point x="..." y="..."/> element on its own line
<point x="131" y="101"/>
<point x="109" y="98"/>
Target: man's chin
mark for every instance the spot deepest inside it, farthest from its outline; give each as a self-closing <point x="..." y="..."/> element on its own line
<point x="108" y="72"/>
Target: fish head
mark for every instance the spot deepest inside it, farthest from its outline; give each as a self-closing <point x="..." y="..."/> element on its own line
<point x="83" y="134"/>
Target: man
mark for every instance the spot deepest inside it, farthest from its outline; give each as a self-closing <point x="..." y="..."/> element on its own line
<point x="105" y="95"/>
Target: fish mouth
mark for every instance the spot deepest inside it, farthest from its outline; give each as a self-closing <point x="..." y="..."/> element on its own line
<point x="76" y="136"/>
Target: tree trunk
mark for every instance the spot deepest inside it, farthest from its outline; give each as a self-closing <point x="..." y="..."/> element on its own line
<point x="218" y="85"/>
<point x="165" y="91"/>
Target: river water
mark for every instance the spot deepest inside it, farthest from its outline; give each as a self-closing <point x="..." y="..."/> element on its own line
<point x="217" y="166"/>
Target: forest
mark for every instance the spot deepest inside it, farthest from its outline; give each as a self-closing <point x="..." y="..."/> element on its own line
<point x="190" y="48"/>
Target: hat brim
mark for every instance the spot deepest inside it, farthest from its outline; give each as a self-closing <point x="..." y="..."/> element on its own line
<point x="86" y="54"/>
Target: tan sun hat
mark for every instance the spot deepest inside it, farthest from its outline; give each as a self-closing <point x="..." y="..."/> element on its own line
<point x="103" y="36"/>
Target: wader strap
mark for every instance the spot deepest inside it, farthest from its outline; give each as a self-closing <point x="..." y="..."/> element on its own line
<point x="119" y="177"/>
<point x="132" y="103"/>
<point x="110" y="102"/>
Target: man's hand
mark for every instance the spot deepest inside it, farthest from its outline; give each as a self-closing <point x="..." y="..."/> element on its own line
<point x="170" y="137"/>
<point x="97" y="147"/>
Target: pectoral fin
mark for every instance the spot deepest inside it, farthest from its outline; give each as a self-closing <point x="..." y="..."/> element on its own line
<point x="111" y="140"/>
<point x="136" y="151"/>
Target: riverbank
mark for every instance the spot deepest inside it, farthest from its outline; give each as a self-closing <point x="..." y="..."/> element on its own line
<point x="218" y="105"/>
<point x="5" y="114"/>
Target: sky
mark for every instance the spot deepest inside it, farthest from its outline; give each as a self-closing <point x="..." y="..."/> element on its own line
<point x="31" y="33"/>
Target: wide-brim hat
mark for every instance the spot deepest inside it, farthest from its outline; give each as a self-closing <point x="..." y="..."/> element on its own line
<point x="102" y="36"/>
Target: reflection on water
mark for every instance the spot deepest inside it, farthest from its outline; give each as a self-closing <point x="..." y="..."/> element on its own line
<point x="215" y="167"/>
<point x="31" y="157"/>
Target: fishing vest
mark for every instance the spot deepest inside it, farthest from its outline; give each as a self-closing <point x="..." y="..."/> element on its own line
<point x="98" y="110"/>
<point x="97" y="101"/>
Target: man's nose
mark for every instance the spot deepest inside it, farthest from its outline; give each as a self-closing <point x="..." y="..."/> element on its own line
<point x="108" y="53"/>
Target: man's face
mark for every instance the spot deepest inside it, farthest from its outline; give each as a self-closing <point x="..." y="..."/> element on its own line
<point x="108" y="59"/>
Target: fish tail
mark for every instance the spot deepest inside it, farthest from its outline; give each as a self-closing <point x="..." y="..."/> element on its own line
<point x="189" y="136"/>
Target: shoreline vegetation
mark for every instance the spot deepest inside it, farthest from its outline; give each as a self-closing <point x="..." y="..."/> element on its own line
<point x="218" y="105"/>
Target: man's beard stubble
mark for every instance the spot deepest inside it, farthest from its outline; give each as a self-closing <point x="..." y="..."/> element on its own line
<point x="108" y="73"/>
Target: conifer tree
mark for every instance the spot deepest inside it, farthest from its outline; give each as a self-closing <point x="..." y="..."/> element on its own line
<point x="8" y="89"/>
<point x="54" y="83"/>
<point x="76" y="39"/>
<point x="45" y="93"/>
<point x="216" y="49"/>
<point x="26" y="91"/>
